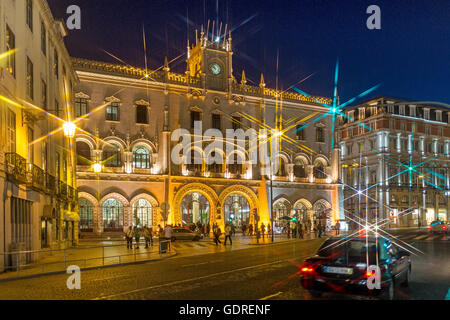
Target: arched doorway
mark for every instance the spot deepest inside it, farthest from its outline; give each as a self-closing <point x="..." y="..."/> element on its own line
<point x="112" y="215"/>
<point x="86" y="212"/>
<point x="194" y="208"/>
<point x="236" y="210"/>
<point x="143" y="211"/>
<point x="322" y="213"/>
<point x="282" y="211"/>
<point x="301" y="212"/>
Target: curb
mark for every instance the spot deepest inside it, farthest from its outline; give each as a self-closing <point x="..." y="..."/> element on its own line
<point x="38" y="275"/>
<point x="285" y="241"/>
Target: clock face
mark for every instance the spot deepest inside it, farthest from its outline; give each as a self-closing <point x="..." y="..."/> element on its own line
<point x="215" y="68"/>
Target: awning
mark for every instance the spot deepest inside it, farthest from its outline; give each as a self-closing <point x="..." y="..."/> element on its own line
<point x="71" y="216"/>
<point x="49" y="211"/>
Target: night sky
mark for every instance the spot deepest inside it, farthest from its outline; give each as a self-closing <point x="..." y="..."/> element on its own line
<point x="409" y="56"/>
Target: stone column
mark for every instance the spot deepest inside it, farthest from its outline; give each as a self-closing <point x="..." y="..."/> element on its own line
<point x="310" y="173"/>
<point x="128" y="163"/>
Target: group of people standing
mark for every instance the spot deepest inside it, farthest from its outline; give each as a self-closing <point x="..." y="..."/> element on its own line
<point x="135" y="233"/>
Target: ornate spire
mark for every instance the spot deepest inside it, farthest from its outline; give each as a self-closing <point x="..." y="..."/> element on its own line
<point x="262" y="84"/>
<point x="243" y="80"/>
<point x="166" y="65"/>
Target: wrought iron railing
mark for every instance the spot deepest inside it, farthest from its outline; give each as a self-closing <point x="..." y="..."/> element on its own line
<point x="37" y="177"/>
<point x="62" y="190"/>
<point x="16" y="167"/>
<point x="50" y="183"/>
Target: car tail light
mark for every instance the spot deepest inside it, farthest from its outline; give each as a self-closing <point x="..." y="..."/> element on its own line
<point x="306" y="269"/>
<point x="368" y="274"/>
<point x="429" y="227"/>
<point x="444" y="227"/>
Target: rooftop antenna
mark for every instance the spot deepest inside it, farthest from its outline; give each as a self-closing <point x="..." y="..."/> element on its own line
<point x="196" y="37"/>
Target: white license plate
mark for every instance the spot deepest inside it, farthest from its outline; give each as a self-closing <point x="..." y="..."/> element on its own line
<point x="338" y="270"/>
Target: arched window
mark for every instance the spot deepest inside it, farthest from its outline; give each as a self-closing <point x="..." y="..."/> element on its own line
<point x="281" y="172"/>
<point x="112" y="215"/>
<point x="141" y="158"/>
<point x="235" y="162"/>
<point x="299" y="168"/>
<point x="112" y="156"/>
<point x="301" y="212"/>
<point x="194" y="161"/>
<point x="319" y="170"/>
<point x="86" y="210"/>
<point x="83" y="153"/>
<point x="214" y="167"/>
<point x="142" y="210"/>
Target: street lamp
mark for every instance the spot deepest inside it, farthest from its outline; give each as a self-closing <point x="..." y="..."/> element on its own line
<point x="69" y="129"/>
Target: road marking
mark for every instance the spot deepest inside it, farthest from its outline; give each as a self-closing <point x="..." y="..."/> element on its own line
<point x="447" y="297"/>
<point x="271" y="296"/>
<point x="189" y="280"/>
<point x="421" y="237"/>
<point x="194" y="264"/>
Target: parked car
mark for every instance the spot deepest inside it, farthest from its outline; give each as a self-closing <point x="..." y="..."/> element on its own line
<point x="340" y="265"/>
<point x="185" y="234"/>
<point x="439" y="226"/>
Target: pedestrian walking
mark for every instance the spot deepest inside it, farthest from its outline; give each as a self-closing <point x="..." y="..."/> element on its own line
<point x="263" y="229"/>
<point x="250" y="230"/>
<point x="228" y="232"/>
<point x="294" y="231"/>
<point x="129" y="237"/>
<point x="268" y="230"/>
<point x="300" y="230"/>
<point x="243" y="229"/>
<point x="217" y="234"/>
<point x="338" y="228"/>
<point x="137" y="236"/>
<point x="288" y="229"/>
<point x="147" y="233"/>
<point x="208" y="229"/>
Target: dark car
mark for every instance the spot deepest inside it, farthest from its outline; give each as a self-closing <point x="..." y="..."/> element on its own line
<point x="185" y="234"/>
<point x="340" y="265"/>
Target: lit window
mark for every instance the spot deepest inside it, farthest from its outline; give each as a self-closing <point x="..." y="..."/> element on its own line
<point x="112" y="111"/>
<point x="141" y="158"/>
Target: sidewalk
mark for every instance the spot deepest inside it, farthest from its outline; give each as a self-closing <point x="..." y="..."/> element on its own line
<point x="86" y="255"/>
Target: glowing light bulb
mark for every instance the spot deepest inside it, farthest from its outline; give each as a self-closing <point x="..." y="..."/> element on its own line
<point x="97" y="167"/>
<point x="69" y="129"/>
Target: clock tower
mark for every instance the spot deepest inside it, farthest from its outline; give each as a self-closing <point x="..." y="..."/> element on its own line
<point x="211" y="60"/>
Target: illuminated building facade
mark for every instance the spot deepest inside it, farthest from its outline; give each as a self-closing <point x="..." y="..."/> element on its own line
<point x="399" y="153"/>
<point x="38" y="197"/>
<point x="130" y="142"/>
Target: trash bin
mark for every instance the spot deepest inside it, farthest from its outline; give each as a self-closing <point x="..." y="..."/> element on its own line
<point x="163" y="246"/>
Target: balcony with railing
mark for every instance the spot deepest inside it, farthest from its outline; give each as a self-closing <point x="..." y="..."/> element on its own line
<point x="62" y="190"/>
<point x="37" y="180"/>
<point x="50" y="184"/>
<point x="16" y="168"/>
